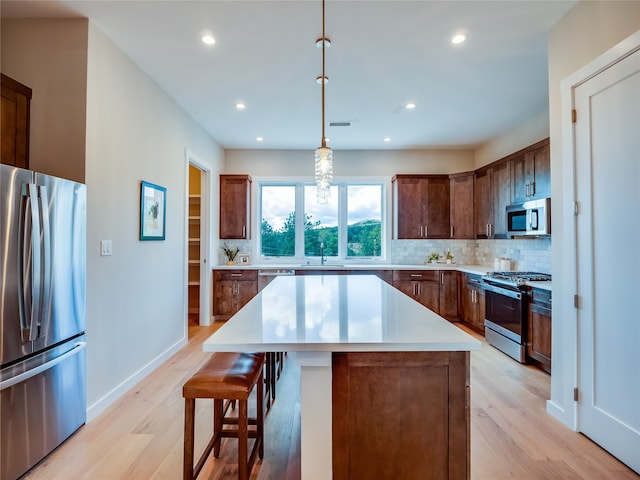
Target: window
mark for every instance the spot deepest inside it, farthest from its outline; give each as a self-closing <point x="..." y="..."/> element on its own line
<point x="294" y="224"/>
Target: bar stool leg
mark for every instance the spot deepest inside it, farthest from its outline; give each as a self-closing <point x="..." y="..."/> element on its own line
<point x="189" y="427"/>
<point x="243" y="439"/>
<point x="218" y="423"/>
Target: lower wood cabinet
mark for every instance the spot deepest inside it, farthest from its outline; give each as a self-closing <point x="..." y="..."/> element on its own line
<point x="232" y="289"/>
<point x="435" y="289"/>
<point x="401" y="415"/>
<point x="539" y="328"/>
<point x="421" y="285"/>
<point x="472" y="303"/>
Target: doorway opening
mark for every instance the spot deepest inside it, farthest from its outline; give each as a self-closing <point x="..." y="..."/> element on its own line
<point x="194" y="244"/>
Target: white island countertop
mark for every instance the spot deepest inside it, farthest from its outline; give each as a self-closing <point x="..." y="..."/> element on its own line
<point x="336" y="313"/>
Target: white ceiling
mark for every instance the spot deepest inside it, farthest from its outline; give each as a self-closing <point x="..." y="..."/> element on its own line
<point x="383" y="55"/>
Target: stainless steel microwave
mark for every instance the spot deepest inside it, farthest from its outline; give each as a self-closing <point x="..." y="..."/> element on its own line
<point x="529" y="218"/>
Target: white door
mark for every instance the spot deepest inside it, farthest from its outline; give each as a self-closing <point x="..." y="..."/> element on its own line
<point x="608" y="258"/>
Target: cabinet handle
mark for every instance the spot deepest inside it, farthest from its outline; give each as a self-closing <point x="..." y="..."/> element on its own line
<point x="451" y="231"/>
<point x="491" y="230"/>
<point x="442" y="279"/>
<point x="486" y="226"/>
<point x="421" y="231"/>
<point x="236" y="274"/>
<point x="426" y="231"/>
<point x="416" y="275"/>
<point x="533" y="188"/>
<point x="244" y="231"/>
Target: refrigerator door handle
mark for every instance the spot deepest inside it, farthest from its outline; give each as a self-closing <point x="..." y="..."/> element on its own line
<point x="31" y="265"/>
<point x="10" y="382"/>
<point x="46" y="262"/>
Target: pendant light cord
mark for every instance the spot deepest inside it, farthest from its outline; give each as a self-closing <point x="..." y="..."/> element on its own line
<point x="324" y="78"/>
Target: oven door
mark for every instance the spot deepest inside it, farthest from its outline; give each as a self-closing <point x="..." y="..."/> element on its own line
<point x="504" y="312"/>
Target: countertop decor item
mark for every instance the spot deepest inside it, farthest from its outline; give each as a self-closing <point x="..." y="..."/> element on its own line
<point x="230" y="253"/>
<point x="324" y="155"/>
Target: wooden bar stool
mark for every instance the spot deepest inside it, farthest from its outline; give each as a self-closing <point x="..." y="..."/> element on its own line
<point x="226" y="377"/>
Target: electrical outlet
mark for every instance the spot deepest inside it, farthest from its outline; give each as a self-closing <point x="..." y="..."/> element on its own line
<point x="105" y="248"/>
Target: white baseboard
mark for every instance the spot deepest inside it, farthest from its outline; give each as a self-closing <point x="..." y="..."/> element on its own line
<point x="98" y="407"/>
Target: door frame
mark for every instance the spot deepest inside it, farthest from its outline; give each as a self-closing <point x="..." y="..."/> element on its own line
<point x="204" y="315"/>
<point x="567" y="347"/>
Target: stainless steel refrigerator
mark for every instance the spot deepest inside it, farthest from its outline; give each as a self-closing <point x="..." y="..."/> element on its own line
<point x="42" y="315"/>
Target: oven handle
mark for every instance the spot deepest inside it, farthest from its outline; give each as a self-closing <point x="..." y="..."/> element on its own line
<point x="502" y="291"/>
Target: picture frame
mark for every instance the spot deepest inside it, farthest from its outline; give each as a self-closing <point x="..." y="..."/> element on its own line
<point x="244" y="259"/>
<point x="153" y="212"/>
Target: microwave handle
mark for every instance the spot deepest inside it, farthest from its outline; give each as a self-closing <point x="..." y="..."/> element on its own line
<point x="533" y="222"/>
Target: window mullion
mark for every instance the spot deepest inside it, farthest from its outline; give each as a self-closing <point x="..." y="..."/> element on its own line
<point x="342" y="221"/>
<point x="299" y="249"/>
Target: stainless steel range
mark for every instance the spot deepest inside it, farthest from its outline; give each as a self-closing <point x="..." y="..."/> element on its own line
<point x="506" y="310"/>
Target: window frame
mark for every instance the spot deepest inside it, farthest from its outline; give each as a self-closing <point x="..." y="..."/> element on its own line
<point x="299" y="257"/>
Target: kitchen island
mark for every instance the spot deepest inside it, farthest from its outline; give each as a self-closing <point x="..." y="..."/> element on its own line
<point x="384" y="380"/>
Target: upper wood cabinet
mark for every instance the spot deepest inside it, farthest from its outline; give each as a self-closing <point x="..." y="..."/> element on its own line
<point x="421" y="206"/>
<point x="492" y="194"/>
<point x="461" y="205"/>
<point x="14" y="123"/>
<point x="235" y="207"/>
<point x="531" y="173"/>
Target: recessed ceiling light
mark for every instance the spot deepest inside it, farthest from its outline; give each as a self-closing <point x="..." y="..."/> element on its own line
<point x="208" y="40"/>
<point x="459" y="37"/>
<point x="259" y="139"/>
<point x="387" y="139"/>
<point x="240" y="106"/>
<point x="410" y="106"/>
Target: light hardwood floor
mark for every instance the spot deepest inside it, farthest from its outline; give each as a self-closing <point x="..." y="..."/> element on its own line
<point x="140" y="436"/>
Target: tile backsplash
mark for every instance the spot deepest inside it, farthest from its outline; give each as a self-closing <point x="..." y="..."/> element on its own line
<point x="527" y="254"/>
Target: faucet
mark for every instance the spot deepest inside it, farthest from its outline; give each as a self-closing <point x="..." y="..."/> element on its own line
<point x="321" y="253"/>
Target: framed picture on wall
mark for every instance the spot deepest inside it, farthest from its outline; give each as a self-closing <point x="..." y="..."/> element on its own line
<point x="153" y="203"/>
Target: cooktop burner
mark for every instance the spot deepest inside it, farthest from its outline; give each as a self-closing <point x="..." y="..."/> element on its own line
<point x="517" y="278"/>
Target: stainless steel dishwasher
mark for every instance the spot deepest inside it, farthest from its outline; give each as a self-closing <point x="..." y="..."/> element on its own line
<point x="265" y="276"/>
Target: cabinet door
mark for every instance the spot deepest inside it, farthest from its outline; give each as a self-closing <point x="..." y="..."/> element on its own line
<point x="14" y="122"/>
<point x="539" y="328"/>
<point x="501" y="188"/>
<point x="461" y="207"/>
<point x="245" y="291"/>
<point x="540" y="172"/>
<point x="520" y="181"/>
<point x="449" y="294"/>
<point x="224" y="298"/>
<point x="430" y="295"/>
<point x="409" y="288"/>
<point x="436" y="217"/>
<point x="483" y="206"/>
<point x="479" y="310"/>
<point x="235" y="195"/>
<point x="409" y="207"/>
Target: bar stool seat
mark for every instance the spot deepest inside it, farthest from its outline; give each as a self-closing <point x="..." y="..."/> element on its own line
<point x="226" y="377"/>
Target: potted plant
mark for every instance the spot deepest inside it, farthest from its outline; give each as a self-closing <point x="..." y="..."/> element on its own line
<point x="230" y="253"/>
<point x="434" y="257"/>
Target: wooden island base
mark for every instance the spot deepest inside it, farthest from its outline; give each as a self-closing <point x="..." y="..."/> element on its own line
<point x="401" y="415"/>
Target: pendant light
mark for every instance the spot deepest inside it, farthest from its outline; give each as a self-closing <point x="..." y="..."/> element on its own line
<point x="324" y="155"/>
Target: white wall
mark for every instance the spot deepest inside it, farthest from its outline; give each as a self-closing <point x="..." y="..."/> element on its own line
<point x="50" y="57"/>
<point x="135" y="298"/>
<point x="99" y="119"/>
<point x="351" y="163"/>
<point x="527" y="133"/>
<point x="585" y="32"/>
